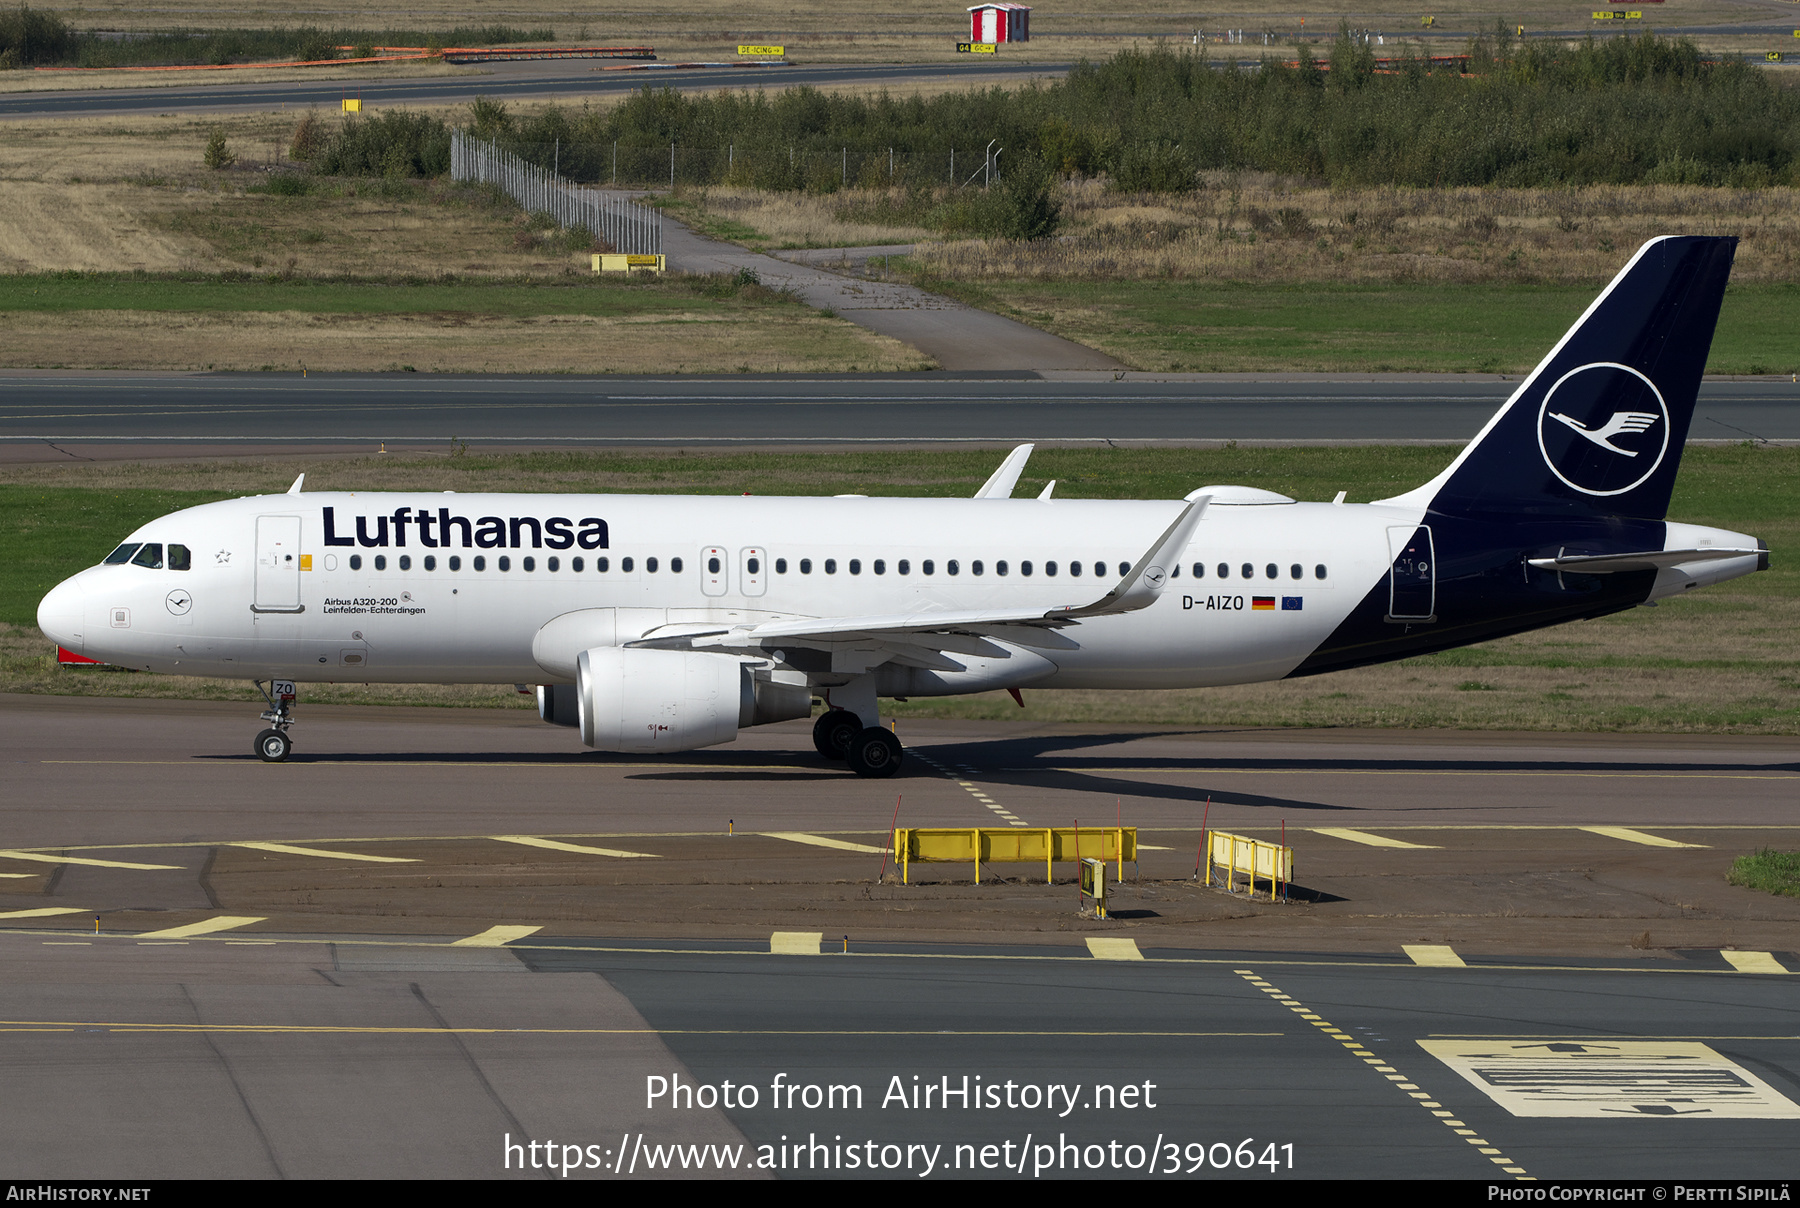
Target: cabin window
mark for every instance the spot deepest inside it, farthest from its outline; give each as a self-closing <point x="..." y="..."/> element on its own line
<point x="625" y="565"/>
<point x="602" y="565"/>
<point x="575" y="564"/>
<point x="904" y="567"/>
<point x="356" y="561"/>
<point x="952" y="567"/>
<point x="1296" y="571"/>
<point x="552" y="563"/>
<point x="1099" y="570"/>
<point x="149" y="556"/>
<point x="975" y="567"/>
<point x="528" y="562"/>
<point x="754" y="566"/>
<point x="806" y="566"/>
<point x="780" y="566"/>
<point x="1075" y="570"/>
<point x="880" y="567"/>
<point x="1199" y="570"/>
<point x="1224" y="571"/>
<point x="999" y="568"/>
<point x="674" y="566"/>
<point x="856" y="566"/>
<point x="928" y="567"/>
<point x="831" y="566"/>
<point x="1124" y="569"/>
<point x="1050" y="569"/>
<point x="121" y="555"/>
<point x="1272" y="571"/>
<point x="1249" y="571"/>
<point x="179" y="558"/>
<point x="480" y="562"/>
<point x="1025" y="568"/>
<point x="430" y="562"/>
<point x="381" y="561"/>
<point x="455" y="562"/>
<point x="503" y="562"/>
<point x="650" y="565"/>
<point x="712" y="566"/>
<point x="1319" y="571"/>
<point x="405" y="561"/>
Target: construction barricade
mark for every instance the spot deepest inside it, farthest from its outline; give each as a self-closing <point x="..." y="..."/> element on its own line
<point x="1257" y="860"/>
<point x="1012" y="845"/>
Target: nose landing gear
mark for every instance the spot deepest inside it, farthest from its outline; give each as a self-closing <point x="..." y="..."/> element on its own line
<point x="273" y="745"/>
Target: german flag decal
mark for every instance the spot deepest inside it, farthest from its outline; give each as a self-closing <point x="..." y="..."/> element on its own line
<point x="1262" y="603"/>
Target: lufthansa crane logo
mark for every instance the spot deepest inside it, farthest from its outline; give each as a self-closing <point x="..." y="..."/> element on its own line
<point x="1603" y="428"/>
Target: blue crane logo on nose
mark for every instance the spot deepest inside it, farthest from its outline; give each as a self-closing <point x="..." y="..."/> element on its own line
<point x="1603" y="428"/>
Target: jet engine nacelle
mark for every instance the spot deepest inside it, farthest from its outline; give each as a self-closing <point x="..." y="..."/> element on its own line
<point x="671" y="700"/>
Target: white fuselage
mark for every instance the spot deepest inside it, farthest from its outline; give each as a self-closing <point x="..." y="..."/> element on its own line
<point x="267" y="597"/>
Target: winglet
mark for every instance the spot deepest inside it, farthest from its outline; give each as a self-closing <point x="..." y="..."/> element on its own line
<point x="295" y="489"/>
<point x="1000" y="484"/>
<point x="1144" y="582"/>
<point x="1048" y="488"/>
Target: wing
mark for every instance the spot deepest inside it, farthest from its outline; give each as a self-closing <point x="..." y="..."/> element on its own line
<point x="925" y="639"/>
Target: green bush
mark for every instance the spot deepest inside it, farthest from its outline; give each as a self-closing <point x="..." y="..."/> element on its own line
<point x="29" y="37"/>
<point x="218" y="154"/>
<point x="393" y="144"/>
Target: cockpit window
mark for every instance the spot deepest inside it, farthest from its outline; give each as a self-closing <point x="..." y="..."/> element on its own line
<point x="150" y="555"/>
<point x="179" y="558"/>
<point x="121" y="555"/>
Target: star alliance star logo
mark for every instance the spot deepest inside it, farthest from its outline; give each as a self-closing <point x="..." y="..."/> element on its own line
<point x="222" y="557"/>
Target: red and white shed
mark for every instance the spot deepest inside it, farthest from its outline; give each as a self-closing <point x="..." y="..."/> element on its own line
<point x="1000" y="22"/>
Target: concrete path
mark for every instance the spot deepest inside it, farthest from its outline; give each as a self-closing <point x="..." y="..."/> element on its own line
<point x="957" y="337"/>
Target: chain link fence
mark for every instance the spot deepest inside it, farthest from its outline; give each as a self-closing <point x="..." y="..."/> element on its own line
<point x="623" y="225"/>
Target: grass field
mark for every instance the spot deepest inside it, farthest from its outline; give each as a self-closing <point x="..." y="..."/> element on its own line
<point x="1722" y="660"/>
<point x="1211" y="326"/>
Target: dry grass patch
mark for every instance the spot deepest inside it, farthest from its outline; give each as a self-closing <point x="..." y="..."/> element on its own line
<point x="1254" y="227"/>
<point x="786" y="340"/>
<point x="764" y="220"/>
<point x="76" y="80"/>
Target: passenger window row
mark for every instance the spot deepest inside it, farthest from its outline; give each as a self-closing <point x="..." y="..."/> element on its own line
<point x="527" y="563"/>
<point x="627" y="565"/>
<point x="951" y="566"/>
<point x="1247" y="570"/>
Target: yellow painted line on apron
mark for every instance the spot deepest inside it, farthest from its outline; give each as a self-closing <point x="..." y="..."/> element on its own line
<point x="224" y="922"/>
<point x="1114" y="949"/>
<point x="1636" y="836"/>
<point x="495" y="937"/>
<point x="45" y="858"/>
<point x="288" y="849"/>
<point x="1367" y="839"/>
<point x="578" y="848"/>
<point x="823" y="841"/>
<point x="41" y="912"/>
<point x="1754" y="962"/>
<point x="796" y="943"/>
<point x="1433" y="956"/>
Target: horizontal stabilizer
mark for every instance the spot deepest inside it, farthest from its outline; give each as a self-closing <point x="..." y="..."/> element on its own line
<point x="1656" y="559"/>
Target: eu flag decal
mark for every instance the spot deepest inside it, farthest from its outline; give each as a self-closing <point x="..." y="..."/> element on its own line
<point x="1290" y="603"/>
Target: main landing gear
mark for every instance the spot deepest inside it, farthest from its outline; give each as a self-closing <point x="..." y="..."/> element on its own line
<point x="273" y="744"/>
<point x="869" y="750"/>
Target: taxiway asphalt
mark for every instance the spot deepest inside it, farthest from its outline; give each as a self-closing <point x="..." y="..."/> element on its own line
<point x="232" y="1050"/>
<point x="59" y="416"/>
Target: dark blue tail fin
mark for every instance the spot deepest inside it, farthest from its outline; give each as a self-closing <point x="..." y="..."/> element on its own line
<point x="1598" y="427"/>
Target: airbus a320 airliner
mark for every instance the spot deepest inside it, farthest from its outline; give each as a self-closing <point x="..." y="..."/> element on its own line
<point x="661" y="624"/>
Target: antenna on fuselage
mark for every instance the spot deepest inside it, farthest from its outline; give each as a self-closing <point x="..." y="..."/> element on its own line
<point x="295" y="489"/>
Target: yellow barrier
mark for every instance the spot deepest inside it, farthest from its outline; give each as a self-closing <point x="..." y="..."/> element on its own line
<point x="1252" y="857"/>
<point x="352" y="104"/>
<point x="612" y="262"/>
<point x="1012" y="845"/>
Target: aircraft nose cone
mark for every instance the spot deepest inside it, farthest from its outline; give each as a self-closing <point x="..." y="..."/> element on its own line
<point x="60" y="616"/>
